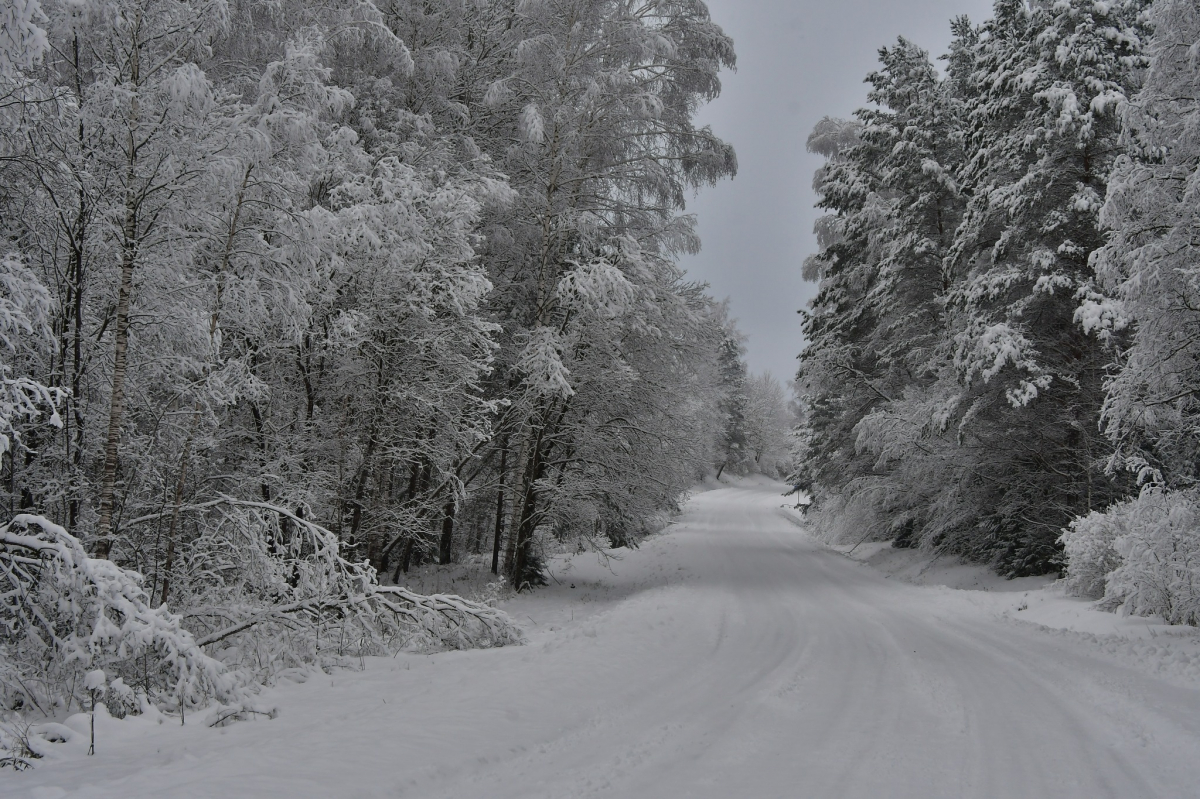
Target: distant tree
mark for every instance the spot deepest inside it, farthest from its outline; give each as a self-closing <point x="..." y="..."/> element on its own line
<point x="732" y="452"/>
<point x="768" y="425"/>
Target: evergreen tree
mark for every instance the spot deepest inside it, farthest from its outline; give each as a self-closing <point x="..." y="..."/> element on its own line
<point x="965" y="216"/>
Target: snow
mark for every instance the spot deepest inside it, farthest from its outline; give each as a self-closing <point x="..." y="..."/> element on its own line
<point x="1169" y="651"/>
<point x="94" y="680"/>
<point x="730" y="656"/>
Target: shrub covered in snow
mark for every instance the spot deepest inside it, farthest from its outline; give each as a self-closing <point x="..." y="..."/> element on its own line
<point x="64" y="615"/>
<point x="1088" y="550"/>
<point x="1150" y="549"/>
<point x="261" y="589"/>
<point x="268" y="590"/>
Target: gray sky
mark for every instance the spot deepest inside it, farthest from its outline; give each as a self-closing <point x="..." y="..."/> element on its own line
<point x="798" y="61"/>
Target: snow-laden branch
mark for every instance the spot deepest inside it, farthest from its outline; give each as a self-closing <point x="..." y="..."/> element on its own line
<point x="262" y="574"/>
<point x="259" y="593"/>
<point x="63" y="613"/>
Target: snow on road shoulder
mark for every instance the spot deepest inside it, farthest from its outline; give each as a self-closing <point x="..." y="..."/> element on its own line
<point x="307" y="739"/>
<point x="1146" y="643"/>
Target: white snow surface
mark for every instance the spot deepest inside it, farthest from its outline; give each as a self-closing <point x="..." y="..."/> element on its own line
<point x="731" y="656"/>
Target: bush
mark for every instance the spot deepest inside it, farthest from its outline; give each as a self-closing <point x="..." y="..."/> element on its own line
<point x="1150" y="548"/>
<point x="262" y="589"/>
<point x="1088" y="551"/>
<point x="64" y="614"/>
<point x="269" y="590"/>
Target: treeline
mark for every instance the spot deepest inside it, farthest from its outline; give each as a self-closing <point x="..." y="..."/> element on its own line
<point x="1004" y="336"/>
<point x="402" y="274"/>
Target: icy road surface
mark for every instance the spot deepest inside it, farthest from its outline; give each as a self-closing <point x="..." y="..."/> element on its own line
<point x="730" y="658"/>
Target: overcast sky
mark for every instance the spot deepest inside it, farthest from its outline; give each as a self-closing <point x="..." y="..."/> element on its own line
<point x="798" y="61"/>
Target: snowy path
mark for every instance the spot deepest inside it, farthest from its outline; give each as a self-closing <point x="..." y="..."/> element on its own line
<point x="731" y="658"/>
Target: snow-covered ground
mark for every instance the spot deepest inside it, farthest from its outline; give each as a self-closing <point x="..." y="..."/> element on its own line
<point x="1167" y="651"/>
<point x="729" y="657"/>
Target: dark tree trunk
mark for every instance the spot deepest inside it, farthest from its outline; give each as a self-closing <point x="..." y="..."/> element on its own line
<point x="499" y="511"/>
<point x="446" y="544"/>
<point x="526" y="570"/>
<point x="116" y="409"/>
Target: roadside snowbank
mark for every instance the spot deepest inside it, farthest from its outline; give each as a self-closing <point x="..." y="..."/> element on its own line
<point x="393" y="699"/>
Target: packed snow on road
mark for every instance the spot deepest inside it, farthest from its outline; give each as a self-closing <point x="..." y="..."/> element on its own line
<point x="729" y="656"/>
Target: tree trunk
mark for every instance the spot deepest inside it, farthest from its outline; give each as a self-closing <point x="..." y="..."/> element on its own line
<point x="116" y="409"/>
<point x="446" y="544"/>
<point x="75" y="278"/>
<point x="76" y="459"/>
<point x="129" y="246"/>
<point x="404" y="561"/>
<point x="360" y="490"/>
<point x="520" y="573"/>
<point x="514" y="521"/>
<point x="173" y="526"/>
<point x="500" y="510"/>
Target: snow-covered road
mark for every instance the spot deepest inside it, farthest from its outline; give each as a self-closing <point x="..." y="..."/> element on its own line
<point x="731" y="657"/>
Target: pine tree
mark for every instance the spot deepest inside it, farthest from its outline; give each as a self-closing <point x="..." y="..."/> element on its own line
<point x="951" y="274"/>
<point x="1043" y="137"/>
<point x="877" y="328"/>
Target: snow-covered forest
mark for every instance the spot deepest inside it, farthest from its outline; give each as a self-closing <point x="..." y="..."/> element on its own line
<point x="352" y="386"/>
<point x="298" y="296"/>
<point x="1002" y="360"/>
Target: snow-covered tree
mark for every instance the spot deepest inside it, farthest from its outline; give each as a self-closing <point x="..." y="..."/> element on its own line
<point x="769" y="423"/>
<point x="731" y="371"/>
<point x="22" y="37"/>
<point x="587" y="107"/>
<point x="1147" y="271"/>
<point x="877" y="329"/>
<point x="295" y="295"/>
<point x="953" y="395"/>
<point x="1140" y="555"/>
<point x="1044" y="134"/>
<point x="24" y="402"/>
